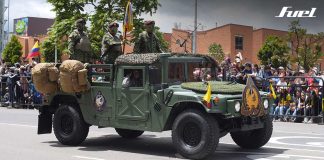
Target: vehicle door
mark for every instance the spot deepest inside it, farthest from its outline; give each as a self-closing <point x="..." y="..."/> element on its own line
<point x="132" y="100"/>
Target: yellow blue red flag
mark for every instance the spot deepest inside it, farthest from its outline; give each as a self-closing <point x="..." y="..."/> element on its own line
<point x="35" y="51"/>
<point x="128" y="20"/>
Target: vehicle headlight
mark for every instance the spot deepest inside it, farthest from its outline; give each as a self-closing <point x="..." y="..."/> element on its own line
<point x="266" y="104"/>
<point x="237" y="106"/>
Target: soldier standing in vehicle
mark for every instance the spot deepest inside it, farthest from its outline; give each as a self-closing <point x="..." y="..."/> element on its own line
<point x="79" y="43"/>
<point x="148" y="42"/>
<point x="111" y="44"/>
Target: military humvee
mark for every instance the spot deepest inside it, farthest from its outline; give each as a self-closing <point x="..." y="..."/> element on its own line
<point x="159" y="92"/>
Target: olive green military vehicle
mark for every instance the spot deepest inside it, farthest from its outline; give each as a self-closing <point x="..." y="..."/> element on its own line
<point x="162" y="92"/>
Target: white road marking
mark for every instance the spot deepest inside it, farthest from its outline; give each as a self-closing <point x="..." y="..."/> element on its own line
<point x="18" y="125"/>
<point x="84" y="157"/>
<point x="288" y="148"/>
<point x="315" y="134"/>
<point x="266" y="156"/>
<point x="262" y="155"/>
<point x="315" y="143"/>
<point x="281" y="156"/>
<point x="275" y="140"/>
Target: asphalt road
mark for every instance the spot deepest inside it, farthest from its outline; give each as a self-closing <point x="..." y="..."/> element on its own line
<point x="19" y="141"/>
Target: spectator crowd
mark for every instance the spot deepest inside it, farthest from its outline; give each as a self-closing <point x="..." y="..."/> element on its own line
<point x="297" y="94"/>
<point x="17" y="89"/>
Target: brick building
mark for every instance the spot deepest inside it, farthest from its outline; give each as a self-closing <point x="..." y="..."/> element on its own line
<point x="233" y="38"/>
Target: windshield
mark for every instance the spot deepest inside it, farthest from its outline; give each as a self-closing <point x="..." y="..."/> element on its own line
<point x="190" y="72"/>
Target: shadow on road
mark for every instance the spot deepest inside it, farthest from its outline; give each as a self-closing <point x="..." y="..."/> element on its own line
<point x="162" y="146"/>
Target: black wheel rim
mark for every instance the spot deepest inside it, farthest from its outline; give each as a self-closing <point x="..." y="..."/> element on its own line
<point x="191" y="134"/>
<point x="67" y="124"/>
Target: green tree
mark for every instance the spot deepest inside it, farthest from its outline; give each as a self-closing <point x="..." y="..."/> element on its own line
<point x="105" y="11"/>
<point x="275" y="52"/>
<point x="306" y="48"/>
<point x="13" y="51"/>
<point x="215" y="50"/>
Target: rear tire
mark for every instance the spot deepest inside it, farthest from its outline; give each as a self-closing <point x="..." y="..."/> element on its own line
<point x="127" y="133"/>
<point x="69" y="126"/>
<point x="254" y="139"/>
<point x="195" y="134"/>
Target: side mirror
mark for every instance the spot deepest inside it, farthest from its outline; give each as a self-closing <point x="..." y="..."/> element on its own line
<point x="126" y="82"/>
<point x="165" y="85"/>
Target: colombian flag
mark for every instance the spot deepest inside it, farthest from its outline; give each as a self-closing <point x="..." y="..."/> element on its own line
<point x="35" y="51"/>
<point x="128" y="20"/>
<point x="207" y="96"/>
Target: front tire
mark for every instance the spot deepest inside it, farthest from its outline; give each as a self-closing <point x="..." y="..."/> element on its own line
<point x="127" y="133"/>
<point x="254" y="139"/>
<point x="69" y="126"/>
<point x="195" y="134"/>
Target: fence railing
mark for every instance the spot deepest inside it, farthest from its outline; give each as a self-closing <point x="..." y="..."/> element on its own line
<point x="297" y="98"/>
<point x="19" y="92"/>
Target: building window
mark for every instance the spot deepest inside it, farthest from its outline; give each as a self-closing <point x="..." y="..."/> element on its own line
<point x="238" y="42"/>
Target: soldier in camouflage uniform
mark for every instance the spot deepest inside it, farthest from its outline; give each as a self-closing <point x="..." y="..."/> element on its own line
<point x="111" y="45"/>
<point x="79" y="43"/>
<point x="148" y="41"/>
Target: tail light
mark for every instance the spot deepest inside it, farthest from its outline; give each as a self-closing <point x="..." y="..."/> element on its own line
<point x="207" y="104"/>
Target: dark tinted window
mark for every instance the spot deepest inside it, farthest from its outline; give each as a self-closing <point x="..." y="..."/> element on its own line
<point x="155" y="74"/>
<point x="135" y="77"/>
<point x="176" y="72"/>
<point x="239" y="42"/>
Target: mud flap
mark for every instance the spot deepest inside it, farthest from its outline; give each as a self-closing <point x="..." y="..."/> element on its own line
<point x="44" y="123"/>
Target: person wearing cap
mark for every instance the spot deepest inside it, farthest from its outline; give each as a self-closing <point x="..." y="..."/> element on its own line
<point x="247" y="71"/>
<point x="148" y="42"/>
<point x="111" y="44"/>
<point x="79" y="43"/>
<point x="281" y="70"/>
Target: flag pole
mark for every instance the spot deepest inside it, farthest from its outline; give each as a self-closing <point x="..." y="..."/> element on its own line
<point x="124" y="44"/>
<point x="125" y="28"/>
<point x="55" y="53"/>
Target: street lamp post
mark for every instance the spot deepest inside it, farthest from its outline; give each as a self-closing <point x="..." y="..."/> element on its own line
<point x="194" y="33"/>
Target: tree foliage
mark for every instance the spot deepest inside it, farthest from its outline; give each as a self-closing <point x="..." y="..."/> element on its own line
<point x="306" y="47"/>
<point x="12" y="51"/>
<point x="104" y="12"/>
<point x="275" y="52"/>
<point x="215" y="50"/>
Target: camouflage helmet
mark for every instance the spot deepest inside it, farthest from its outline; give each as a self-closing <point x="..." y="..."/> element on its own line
<point x="80" y="21"/>
<point x="149" y="22"/>
<point x="113" y="24"/>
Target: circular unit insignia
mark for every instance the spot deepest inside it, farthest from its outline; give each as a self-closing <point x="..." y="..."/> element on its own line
<point x="251" y="100"/>
<point x="100" y="101"/>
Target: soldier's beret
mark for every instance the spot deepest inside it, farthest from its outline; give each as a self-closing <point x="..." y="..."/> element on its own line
<point x="113" y="24"/>
<point x="80" y="21"/>
<point x="149" y="22"/>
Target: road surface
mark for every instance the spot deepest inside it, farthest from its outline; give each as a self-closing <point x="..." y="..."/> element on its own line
<point x="19" y="141"/>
